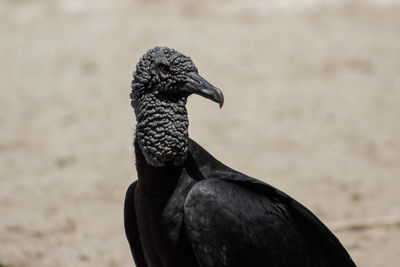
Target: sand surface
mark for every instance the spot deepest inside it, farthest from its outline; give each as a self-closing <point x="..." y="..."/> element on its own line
<point x="312" y="106"/>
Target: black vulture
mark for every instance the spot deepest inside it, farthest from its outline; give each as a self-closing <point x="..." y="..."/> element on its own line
<point x="187" y="208"/>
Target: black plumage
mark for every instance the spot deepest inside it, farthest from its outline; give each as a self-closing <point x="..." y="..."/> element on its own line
<point x="189" y="209"/>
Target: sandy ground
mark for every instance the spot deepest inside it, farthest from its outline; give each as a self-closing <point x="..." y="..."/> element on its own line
<point x="312" y="106"/>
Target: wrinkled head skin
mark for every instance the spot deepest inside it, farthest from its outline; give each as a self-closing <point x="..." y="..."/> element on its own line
<point x="163" y="80"/>
<point x="161" y="70"/>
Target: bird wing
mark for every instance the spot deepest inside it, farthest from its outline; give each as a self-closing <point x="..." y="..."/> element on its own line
<point x="230" y="213"/>
<point x="131" y="227"/>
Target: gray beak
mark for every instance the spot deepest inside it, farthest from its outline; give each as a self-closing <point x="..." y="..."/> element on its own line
<point x="198" y="85"/>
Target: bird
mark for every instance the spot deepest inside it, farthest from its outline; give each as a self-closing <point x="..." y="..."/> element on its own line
<point x="187" y="208"/>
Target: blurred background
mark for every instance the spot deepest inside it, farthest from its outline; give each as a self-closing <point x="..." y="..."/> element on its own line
<point x="312" y="106"/>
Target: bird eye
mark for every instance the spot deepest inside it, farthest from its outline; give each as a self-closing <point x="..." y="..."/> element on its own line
<point x="164" y="69"/>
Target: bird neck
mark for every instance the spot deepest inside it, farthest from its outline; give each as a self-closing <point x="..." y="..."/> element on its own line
<point x="153" y="179"/>
<point x="162" y="129"/>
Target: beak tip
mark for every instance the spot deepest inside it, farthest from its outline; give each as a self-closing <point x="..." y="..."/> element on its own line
<point x="221" y="99"/>
<point x="221" y="104"/>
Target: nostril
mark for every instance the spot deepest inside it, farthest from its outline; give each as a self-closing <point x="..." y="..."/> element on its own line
<point x="195" y="79"/>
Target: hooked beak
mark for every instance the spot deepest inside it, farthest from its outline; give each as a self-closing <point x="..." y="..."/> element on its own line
<point x="198" y="85"/>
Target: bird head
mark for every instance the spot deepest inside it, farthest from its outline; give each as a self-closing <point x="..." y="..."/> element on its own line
<point x="170" y="74"/>
<point x="163" y="80"/>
